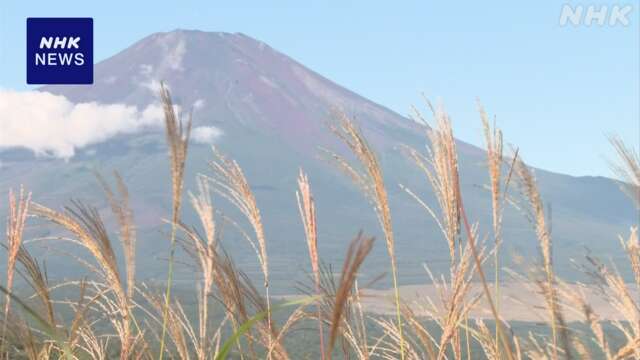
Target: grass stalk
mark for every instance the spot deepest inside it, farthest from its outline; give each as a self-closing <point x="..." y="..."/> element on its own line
<point x="371" y="182"/>
<point x="231" y="183"/>
<point x="493" y="142"/>
<point x="177" y="137"/>
<point x="16" y="221"/>
<point x="306" y="206"/>
<point x="357" y="252"/>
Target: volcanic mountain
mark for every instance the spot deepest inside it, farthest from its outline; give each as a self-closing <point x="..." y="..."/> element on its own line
<point x="270" y="113"/>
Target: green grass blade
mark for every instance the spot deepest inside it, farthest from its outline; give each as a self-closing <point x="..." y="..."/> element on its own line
<point x="247" y="325"/>
<point x="44" y="324"/>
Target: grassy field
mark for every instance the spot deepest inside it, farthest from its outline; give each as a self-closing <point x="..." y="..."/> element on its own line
<point x="223" y="313"/>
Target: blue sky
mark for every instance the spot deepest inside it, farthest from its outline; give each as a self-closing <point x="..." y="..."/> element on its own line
<point x="556" y="91"/>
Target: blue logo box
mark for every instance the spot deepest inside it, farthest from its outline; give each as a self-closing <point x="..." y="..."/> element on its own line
<point x="59" y="51"/>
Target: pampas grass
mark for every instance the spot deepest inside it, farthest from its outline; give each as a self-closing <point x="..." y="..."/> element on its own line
<point x="307" y="208"/>
<point x="230" y="182"/>
<point x="114" y="315"/>
<point x="357" y="252"/>
<point x="440" y="167"/>
<point x="86" y="225"/>
<point x="548" y="285"/>
<point x="124" y="215"/>
<point x="499" y="193"/>
<point x="371" y="181"/>
<point x="493" y="143"/>
<point x="206" y="254"/>
<point x="18" y="209"/>
<point x="177" y="135"/>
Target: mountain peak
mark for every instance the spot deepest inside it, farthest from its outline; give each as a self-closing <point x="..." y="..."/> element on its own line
<point x="174" y="36"/>
<point x="239" y="78"/>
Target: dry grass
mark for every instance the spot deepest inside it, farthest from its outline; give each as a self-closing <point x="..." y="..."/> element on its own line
<point x="18" y="209"/>
<point x="371" y="181"/>
<point x="177" y="135"/>
<point x="87" y="227"/>
<point x="124" y="216"/>
<point x="440" y="167"/>
<point x="493" y="143"/>
<point x="230" y="182"/>
<point x="206" y="250"/>
<point x="307" y="208"/>
<point x="113" y="316"/>
<point x="548" y="283"/>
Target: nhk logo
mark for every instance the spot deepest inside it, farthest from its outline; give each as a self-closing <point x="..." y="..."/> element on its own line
<point x="59" y="51"/>
<point x="588" y="15"/>
<point x="57" y="58"/>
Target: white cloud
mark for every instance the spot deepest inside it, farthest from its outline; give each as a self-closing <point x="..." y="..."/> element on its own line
<point x="199" y="104"/>
<point x="50" y="124"/>
<point x="205" y="134"/>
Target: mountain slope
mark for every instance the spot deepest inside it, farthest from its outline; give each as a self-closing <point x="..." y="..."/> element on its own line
<point x="272" y="112"/>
